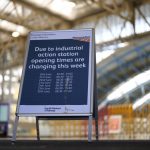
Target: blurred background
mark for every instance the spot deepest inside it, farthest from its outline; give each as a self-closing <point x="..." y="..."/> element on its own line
<point x="122" y="33"/>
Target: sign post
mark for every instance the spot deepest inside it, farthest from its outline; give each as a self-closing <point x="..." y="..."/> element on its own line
<point x="58" y="77"/>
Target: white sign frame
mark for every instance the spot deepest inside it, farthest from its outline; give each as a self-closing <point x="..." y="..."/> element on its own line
<point x="64" y="110"/>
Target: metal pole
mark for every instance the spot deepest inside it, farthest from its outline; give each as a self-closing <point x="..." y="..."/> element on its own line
<point x="37" y="129"/>
<point x="96" y="128"/>
<point x="15" y="128"/>
<point x="3" y="80"/>
<point x="95" y="98"/>
<point x="10" y="84"/>
<point x="90" y="129"/>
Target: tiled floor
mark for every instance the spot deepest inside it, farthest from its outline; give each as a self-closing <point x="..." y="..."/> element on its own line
<point x="74" y="145"/>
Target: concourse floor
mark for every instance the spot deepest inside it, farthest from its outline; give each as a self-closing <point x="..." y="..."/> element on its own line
<point x="74" y="145"/>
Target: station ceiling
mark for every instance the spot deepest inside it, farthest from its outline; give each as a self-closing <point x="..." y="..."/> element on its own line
<point x="18" y="17"/>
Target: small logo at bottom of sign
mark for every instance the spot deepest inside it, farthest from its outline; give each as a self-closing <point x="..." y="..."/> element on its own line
<point x="68" y="110"/>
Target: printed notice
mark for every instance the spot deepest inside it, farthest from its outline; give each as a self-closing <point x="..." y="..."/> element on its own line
<point x="56" y="74"/>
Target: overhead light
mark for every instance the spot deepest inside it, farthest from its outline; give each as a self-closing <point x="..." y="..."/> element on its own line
<point x="6" y="78"/>
<point x="1" y="78"/>
<point x="12" y="91"/>
<point x="6" y="25"/>
<point x="14" y="79"/>
<point x="15" y="34"/>
<point x="6" y="91"/>
<point x="17" y="71"/>
<point x="141" y="101"/>
<point x="64" y="6"/>
<point x="70" y="4"/>
<point x="7" y="72"/>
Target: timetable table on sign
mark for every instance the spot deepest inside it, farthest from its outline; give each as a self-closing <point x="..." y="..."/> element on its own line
<point x="64" y="82"/>
<point x="44" y="85"/>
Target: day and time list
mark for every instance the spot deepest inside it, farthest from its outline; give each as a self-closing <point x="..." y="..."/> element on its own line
<point x="57" y="73"/>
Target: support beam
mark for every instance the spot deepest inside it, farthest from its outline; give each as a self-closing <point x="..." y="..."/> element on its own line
<point x="40" y="9"/>
<point x="3" y="80"/>
<point x="103" y="11"/>
<point x="126" y="39"/>
<point x="141" y="13"/>
<point x="7" y="45"/>
<point x="9" y="33"/>
<point x="14" y="64"/>
<point x="13" y="19"/>
<point x="5" y="31"/>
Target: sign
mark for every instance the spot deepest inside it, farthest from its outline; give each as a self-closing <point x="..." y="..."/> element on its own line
<point x="114" y="124"/>
<point x="4" y="113"/>
<point x="4" y="118"/>
<point x="58" y="74"/>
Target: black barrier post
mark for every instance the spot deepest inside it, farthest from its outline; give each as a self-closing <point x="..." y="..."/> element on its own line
<point x="96" y="115"/>
<point x="37" y="128"/>
<point x="96" y="129"/>
<point x="95" y="98"/>
<point x="90" y="128"/>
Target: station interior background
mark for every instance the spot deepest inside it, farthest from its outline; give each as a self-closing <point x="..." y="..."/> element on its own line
<point x="122" y="39"/>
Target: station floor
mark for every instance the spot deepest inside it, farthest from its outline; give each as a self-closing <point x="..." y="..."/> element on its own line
<point x="74" y="145"/>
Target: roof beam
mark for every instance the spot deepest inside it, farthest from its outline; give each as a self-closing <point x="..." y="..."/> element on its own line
<point x="9" y="32"/>
<point x="126" y="39"/>
<point x="41" y="10"/>
<point x="14" y="20"/>
<point x="5" y="31"/>
<point x="15" y="63"/>
<point x="105" y="10"/>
